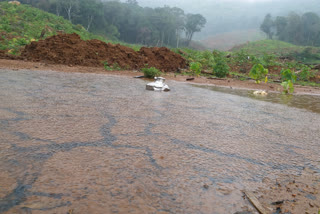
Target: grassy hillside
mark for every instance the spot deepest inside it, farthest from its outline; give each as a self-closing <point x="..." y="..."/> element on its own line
<point x="301" y="53"/>
<point x="21" y="24"/>
<point x="226" y="41"/>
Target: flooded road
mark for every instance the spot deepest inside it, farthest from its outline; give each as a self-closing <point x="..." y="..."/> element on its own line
<point x="92" y="143"/>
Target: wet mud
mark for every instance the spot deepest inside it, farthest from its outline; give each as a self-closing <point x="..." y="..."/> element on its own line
<point x="69" y="49"/>
<point x="92" y="143"/>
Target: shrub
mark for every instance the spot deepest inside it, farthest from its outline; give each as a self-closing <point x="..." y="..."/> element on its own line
<point x="151" y="72"/>
<point x="288" y="78"/>
<point x="288" y="75"/>
<point x="287" y="87"/>
<point x="242" y="57"/>
<point x="221" y="69"/>
<point x="258" y="72"/>
<point x="196" y="68"/>
<point x="306" y="74"/>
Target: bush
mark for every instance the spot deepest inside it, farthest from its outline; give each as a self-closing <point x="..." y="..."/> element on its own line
<point x="287" y="87"/>
<point x="221" y="69"/>
<point x="306" y="74"/>
<point x="288" y="75"/>
<point x="288" y="78"/>
<point x="151" y="72"/>
<point x="242" y="57"/>
<point x="196" y="68"/>
<point x="258" y="72"/>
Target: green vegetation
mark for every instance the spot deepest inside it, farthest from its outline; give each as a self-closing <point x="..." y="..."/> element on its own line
<point x="287" y="87"/>
<point x="287" y="74"/>
<point x="306" y="74"/>
<point x="195" y="68"/>
<point x="113" y="67"/>
<point x="276" y="48"/>
<point x="288" y="79"/>
<point x="151" y="72"/>
<point x="296" y="29"/>
<point x="221" y="68"/>
<point x="258" y="72"/>
<point x="20" y="25"/>
<point x="127" y="21"/>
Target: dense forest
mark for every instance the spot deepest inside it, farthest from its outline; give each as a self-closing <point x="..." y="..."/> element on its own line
<point x="296" y="29"/>
<point x="127" y="21"/>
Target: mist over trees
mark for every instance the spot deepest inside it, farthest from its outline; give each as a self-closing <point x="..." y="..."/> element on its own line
<point x="296" y="29"/>
<point x="127" y="21"/>
<point x="236" y="15"/>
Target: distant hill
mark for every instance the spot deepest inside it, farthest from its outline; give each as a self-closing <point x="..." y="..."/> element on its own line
<point x="226" y="41"/>
<point x="21" y="24"/>
<point x="309" y="55"/>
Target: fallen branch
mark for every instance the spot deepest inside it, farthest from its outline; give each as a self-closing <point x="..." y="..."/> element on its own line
<point x="255" y="202"/>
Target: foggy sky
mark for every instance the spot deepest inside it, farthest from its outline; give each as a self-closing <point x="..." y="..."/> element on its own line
<point x="228" y="15"/>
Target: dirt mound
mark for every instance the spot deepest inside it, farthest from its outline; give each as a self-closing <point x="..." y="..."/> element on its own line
<point x="5" y="55"/>
<point x="69" y="49"/>
<point x="162" y="58"/>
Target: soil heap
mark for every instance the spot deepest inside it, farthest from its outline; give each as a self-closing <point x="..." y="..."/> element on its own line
<point x="69" y="49"/>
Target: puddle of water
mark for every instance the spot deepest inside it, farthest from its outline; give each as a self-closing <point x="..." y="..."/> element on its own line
<point x="94" y="143"/>
<point x="308" y="102"/>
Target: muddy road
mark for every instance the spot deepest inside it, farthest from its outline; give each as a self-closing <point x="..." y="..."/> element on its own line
<point x="94" y="143"/>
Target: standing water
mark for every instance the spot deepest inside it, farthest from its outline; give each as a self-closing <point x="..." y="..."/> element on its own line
<point x="95" y="143"/>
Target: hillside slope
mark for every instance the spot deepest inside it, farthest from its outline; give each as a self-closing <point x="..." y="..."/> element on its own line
<point x="226" y="41"/>
<point x="21" y="24"/>
<point x="310" y="55"/>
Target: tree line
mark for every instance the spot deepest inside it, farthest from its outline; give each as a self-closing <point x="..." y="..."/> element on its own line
<point x="127" y="21"/>
<point x="296" y="29"/>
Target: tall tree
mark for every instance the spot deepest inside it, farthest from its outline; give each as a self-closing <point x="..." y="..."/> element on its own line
<point x="267" y="26"/>
<point x="310" y="28"/>
<point x="194" y="23"/>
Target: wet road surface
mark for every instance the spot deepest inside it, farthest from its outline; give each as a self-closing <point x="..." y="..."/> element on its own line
<point x="95" y="143"/>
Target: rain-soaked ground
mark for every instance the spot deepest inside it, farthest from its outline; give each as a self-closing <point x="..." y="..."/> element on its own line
<point x="95" y="143"/>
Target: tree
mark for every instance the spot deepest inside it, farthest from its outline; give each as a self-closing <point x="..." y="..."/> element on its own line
<point x="310" y="28"/>
<point x="194" y="23"/>
<point x="267" y="26"/>
<point x="293" y="29"/>
<point x="280" y="24"/>
<point x="70" y="6"/>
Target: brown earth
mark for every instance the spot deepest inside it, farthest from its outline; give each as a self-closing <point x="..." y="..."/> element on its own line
<point x="295" y="194"/>
<point x="69" y="49"/>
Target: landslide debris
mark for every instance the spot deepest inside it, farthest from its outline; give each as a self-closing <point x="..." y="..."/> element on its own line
<point x="69" y="49"/>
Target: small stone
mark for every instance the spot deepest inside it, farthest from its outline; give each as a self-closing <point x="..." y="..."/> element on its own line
<point x="206" y="186"/>
<point x="311" y="204"/>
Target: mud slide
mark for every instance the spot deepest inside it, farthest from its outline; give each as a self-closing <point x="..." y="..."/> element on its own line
<point x="69" y="49"/>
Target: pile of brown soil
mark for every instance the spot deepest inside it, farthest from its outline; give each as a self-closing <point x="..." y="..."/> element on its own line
<point x="4" y="55"/>
<point x="69" y="49"/>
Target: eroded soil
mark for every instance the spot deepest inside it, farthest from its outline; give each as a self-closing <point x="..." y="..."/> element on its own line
<point x="69" y="49"/>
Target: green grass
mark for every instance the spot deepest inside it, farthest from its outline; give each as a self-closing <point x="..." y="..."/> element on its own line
<point x="280" y="48"/>
<point x="21" y="24"/>
<point x="304" y="83"/>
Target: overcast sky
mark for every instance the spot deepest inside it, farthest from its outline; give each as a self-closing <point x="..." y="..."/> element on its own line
<point x="182" y="2"/>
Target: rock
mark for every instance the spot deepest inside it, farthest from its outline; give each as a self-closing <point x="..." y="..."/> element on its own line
<point x="260" y="92"/>
<point x="158" y="85"/>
